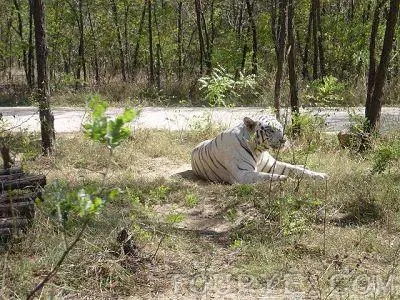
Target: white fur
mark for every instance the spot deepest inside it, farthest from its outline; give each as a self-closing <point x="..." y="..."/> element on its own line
<point x="239" y="155"/>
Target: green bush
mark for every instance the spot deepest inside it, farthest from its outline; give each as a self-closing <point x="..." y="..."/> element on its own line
<point x="223" y="89"/>
<point x="327" y="91"/>
<point x="306" y="129"/>
<point x="386" y="154"/>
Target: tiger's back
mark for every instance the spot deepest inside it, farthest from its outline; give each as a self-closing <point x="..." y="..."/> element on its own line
<point x="220" y="158"/>
<point x="205" y="163"/>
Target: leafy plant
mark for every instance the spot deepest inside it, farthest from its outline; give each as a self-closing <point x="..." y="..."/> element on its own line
<point x="86" y="202"/>
<point x="357" y="122"/>
<point x="243" y="190"/>
<point x="306" y="128"/>
<point x="160" y="193"/>
<point x="221" y="88"/>
<point x="386" y="155"/>
<point x="327" y="91"/>
<point x="295" y="213"/>
<point x="106" y="131"/>
<point x="175" y="218"/>
<point x="191" y="199"/>
<point x="202" y="127"/>
<point x="236" y="244"/>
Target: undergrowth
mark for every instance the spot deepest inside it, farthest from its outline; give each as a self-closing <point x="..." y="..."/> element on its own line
<point x="190" y="238"/>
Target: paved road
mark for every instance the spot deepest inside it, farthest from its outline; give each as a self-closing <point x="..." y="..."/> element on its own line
<point x="181" y="118"/>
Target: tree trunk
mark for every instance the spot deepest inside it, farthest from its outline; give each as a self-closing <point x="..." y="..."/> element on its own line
<point x="372" y="58"/>
<point x="119" y="37"/>
<point x="21" y="36"/>
<point x="200" y="34"/>
<point x="373" y="110"/>
<point x="31" y="62"/>
<point x="315" y="39"/>
<point x="274" y="31"/>
<point x="208" y="37"/>
<point x="139" y="34"/>
<point x="95" y="50"/>
<point x="81" y="65"/>
<point x="179" y="41"/>
<point x="320" y="39"/>
<point x="245" y="49"/>
<point x="294" y="99"/>
<point x="45" y="115"/>
<point x="250" y="11"/>
<point x="126" y="40"/>
<point x="150" y="33"/>
<point x="280" y="56"/>
<point x="158" y="50"/>
<point x="9" y="42"/>
<point x="240" y="40"/>
<point x="307" y="44"/>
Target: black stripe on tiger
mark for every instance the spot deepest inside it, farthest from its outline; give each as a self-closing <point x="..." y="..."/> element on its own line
<point x="262" y="168"/>
<point x="283" y="171"/>
<point x="207" y="151"/>
<point x="208" y="165"/>
<point x="244" y="146"/>
<point x="202" y="161"/>
<point x="201" y="170"/>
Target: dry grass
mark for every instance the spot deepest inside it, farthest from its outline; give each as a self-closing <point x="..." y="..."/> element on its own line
<point x="238" y="242"/>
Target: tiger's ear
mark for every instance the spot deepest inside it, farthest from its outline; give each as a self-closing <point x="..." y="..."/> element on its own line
<point x="250" y="124"/>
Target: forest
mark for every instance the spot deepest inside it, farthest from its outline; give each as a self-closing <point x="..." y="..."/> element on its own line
<point x="113" y="209"/>
<point x="154" y="52"/>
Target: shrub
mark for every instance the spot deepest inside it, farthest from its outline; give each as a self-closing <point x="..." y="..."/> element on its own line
<point x="327" y="91"/>
<point x="386" y="154"/>
<point x="222" y="89"/>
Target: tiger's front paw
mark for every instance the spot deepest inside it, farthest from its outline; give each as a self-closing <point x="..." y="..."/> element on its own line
<point x="276" y="177"/>
<point x="320" y="176"/>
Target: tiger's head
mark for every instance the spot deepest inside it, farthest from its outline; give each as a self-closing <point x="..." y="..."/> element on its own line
<point x="267" y="132"/>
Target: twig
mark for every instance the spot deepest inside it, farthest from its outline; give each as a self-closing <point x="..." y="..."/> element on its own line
<point x="20" y="124"/>
<point x="59" y="263"/>
<point x="158" y="247"/>
<point x="326" y="202"/>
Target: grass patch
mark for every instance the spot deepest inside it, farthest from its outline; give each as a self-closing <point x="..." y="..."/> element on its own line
<point x="191" y="238"/>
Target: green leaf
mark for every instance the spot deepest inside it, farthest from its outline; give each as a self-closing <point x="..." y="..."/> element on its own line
<point x="113" y="193"/>
<point x="175" y="218"/>
<point x="129" y="114"/>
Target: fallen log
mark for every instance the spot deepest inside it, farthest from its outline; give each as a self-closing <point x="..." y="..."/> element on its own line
<point x="7" y="177"/>
<point x="13" y="222"/>
<point x="4" y="198"/>
<point x="30" y="182"/>
<point x="12" y="170"/>
<point x="20" y="209"/>
<point x="18" y="192"/>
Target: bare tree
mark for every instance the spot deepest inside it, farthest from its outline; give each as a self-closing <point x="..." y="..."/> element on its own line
<point x="119" y="37"/>
<point x="373" y="103"/>
<point x="139" y="34"/>
<point x="95" y="50"/>
<point x="307" y="44"/>
<point x="200" y="34"/>
<point x="150" y="33"/>
<point x="179" y="40"/>
<point x="21" y="36"/>
<point x="250" y="11"/>
<point x="45" y="114"/>
<point x="31" y="60"/>
<point x="294" y="99"/>
<point x="280" y="55"/>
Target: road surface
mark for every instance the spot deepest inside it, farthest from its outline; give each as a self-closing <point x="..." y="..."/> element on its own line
<point x="69" y="119"/>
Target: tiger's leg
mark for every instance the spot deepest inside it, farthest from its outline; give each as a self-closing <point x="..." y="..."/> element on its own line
<point x="269" y="164"/>
<point x="254" y="176"/>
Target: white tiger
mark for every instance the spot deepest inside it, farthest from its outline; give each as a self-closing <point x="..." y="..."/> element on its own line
<point x="238" y="155"/>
